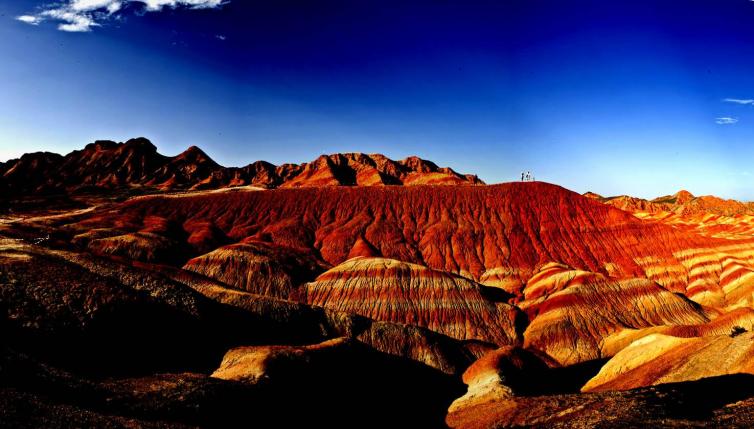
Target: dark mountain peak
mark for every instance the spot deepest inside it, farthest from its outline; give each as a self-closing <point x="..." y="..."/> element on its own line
<point x="40" y="156"/>
<point x="195" y="155"/>
<point x="680" y="197"/>
<point x="31" y="164"/>
<point x="141" y="143"/>
<point x="261" y="165"/>
<point x="193" y="151"/>
<point x="100" y="145"/>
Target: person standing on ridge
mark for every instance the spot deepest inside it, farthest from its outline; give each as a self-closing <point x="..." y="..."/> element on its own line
<point x="522" y="176"/>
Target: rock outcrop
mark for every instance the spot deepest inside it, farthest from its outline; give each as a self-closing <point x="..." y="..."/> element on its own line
<point x="258" y="267"/>
<point x="394" y="291"/>
<point x="261" y="364"/>
<point x="578" y="316"/>
<point x="657" y="359"/>
<point x="501" y="374"/>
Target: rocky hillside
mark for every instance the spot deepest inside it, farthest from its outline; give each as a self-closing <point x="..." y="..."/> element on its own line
<point x="107" y="165"/>
<point x="199" y="307"/>
<point x="680" y="203"/>
<point x="588" y="277"/>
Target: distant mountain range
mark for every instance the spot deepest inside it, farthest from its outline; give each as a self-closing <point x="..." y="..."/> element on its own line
<point x="106" y="165"/>
<point x="680" y="203"/>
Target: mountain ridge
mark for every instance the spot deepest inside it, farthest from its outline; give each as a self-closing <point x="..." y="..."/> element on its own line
<point x="682" y="202"/>
<point x="136" y="163"/>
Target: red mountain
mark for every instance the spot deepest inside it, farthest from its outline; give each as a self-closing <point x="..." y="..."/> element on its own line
<point x="681" y="203"/>
<point x="136" y="164"/>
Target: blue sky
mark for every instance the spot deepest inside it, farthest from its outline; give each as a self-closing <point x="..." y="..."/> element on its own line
<point x="616" y="97"/>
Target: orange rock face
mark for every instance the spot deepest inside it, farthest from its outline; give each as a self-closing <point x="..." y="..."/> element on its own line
<point x="658" y="359"/>
<point x="578" y="316"/>
<point x="715" y="275"/>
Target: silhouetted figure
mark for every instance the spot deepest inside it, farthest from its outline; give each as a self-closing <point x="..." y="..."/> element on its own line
<point x="522" y="176"/>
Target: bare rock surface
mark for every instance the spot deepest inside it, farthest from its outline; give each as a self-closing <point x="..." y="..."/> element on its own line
<point x="394" y="291"/>
<point x="658" y="359"/>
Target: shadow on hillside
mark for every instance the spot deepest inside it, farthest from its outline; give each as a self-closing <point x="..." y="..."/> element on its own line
<point x="697" y="400"/>
<point x="571" y="378"/>
<point x="371" y="390"/>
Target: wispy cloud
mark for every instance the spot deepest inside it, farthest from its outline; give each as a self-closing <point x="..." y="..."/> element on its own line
<point x="745" y="101"/>
<point x="726" y="121"/>
<point x="29" y="19"/>
<point x="220" y="37"/>
<point x="70" y="20"/>
<point x="82" y="15"/>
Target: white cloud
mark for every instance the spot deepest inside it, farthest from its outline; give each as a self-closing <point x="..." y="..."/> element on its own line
<point x="29" y="19"/>
<point x="82" y="15"/>
<point x="745" y="101"/>
<point x="223" y="37"/>
<point x="71" y="21"/>
<point x="87" y="5"/>
<point x="154" y="5"/>
<point x="726" y="121"/>
<point x="114" y="7"/>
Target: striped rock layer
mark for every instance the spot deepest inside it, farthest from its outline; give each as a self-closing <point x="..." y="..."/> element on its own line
<point x="740" y="226"/>
<point x="658" y="359"/>
<point x="589" y="277"/>
<point x="717" y="276"/>
<point x="390" y="290"/>
<point x="578" y="316"/>
<point x="501" y="374"/>
<point x="257" y="267"/>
